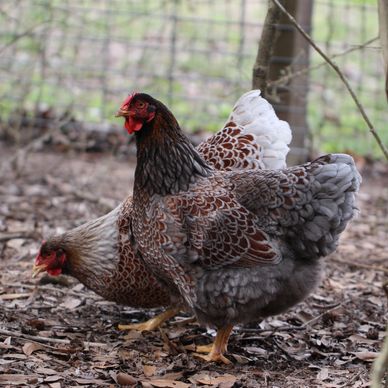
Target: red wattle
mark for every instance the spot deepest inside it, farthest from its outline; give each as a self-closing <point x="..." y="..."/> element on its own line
<point x="132" y="125"/>
<point x="54" y="271"/>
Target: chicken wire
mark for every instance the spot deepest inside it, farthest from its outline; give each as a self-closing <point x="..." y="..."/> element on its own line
<point x="82" y="58"/>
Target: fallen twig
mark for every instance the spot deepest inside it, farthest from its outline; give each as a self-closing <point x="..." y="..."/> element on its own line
<point x="6" y="236"/>
<point x="318" y="317"/>
<point x="360" y="265"/>
<point x="37" y="338"/>
<point x="340" y="74"/>
<point x="40" y="287"/>
<point x="184" y="321"/>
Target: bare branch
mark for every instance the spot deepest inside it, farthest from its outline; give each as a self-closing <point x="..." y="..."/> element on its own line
<point x="285" y="79"/>
<point x="22" y="35"/>
<point x="340" y="74"/>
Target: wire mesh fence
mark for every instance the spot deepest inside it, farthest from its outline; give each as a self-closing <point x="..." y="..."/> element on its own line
<point x="81" y="58"/>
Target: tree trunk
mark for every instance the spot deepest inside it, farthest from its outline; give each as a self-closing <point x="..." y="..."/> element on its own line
<point x="268" y="37"/>
<point x="383" y="30"/>
<point x="290" y="101"/>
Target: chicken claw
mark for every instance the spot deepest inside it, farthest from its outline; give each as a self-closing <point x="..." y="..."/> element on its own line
<point x="218" y="348"/>
<point x="213" y="357"/>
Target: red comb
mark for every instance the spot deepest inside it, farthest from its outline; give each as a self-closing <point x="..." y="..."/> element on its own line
<point x="127" y="101"/>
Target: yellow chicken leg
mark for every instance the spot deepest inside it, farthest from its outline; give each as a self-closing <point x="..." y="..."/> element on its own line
<point x="152" y="323"/>
<point x="218" y="348"/>
<point x="204" y="348"/>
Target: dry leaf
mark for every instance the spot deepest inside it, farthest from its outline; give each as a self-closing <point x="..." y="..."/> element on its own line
<point x="7" y="341"/>
<point x="359" y="339"/>
<point x="168" y="383"/>
<point x="90" y="381"/>
<point x="366" y="356"/>
<point x="46" y="371"/>
<point x="52" y="379"/>
<point x="31" y="347"/>
<point x="133" y="335"/>
<point x="323" y="374"/>
<point x="71" y="303"/>
<point x="125" y="379"/>
<point x="21" y="379"/>
<point x="149" y="370"/>
<point x="55" y="385"/>
<point x="256" y="350"/>
<point x="210" y="379"/>
<point x="172" y="376"/>
<point x="16" y="243"/>
<point x="241" y="359"/>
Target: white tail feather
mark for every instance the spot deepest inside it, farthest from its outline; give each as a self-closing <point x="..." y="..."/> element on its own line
<point x="257" y="116"/>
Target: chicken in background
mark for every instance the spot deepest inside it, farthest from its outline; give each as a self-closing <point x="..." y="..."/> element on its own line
<point x="102" y="253"/>
<point x="234" y="246"/>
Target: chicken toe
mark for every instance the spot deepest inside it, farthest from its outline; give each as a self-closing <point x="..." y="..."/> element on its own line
<point x="152" y="324"/>
<point x="218" y="348"/>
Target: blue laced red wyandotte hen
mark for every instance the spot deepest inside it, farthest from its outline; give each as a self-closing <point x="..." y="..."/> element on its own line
<point x="238" y="245"/>
<point x="102" y="253"/>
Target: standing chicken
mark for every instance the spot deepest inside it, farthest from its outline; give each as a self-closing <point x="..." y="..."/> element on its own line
<point x="235" y="245"/>
<point x="101" y="253"/>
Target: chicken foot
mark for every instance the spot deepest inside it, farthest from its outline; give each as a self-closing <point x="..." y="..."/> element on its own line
<point x="218" y="348"/>
<point x="204" y="348"/>
<point x="152" y="323"/>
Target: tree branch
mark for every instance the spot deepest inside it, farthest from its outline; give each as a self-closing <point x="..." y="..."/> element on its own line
<point x="286" y="78"/>
<point x="340" y="74"/>
<point x="22" y="35"/>
<point x="8" y="333"/>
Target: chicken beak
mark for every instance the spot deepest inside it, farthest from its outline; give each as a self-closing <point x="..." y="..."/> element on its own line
<point x="37" y="269"/>
<point x="122" y="113"/>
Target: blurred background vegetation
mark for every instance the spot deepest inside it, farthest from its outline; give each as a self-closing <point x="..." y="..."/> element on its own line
<point x="82" y="57"/>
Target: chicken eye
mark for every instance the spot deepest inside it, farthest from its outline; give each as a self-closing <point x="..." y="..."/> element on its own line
<point x="140" y="104"/>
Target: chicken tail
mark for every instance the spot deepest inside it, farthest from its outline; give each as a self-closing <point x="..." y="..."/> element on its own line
<point x="336" y="182"/>
<point x="257" y="117"/>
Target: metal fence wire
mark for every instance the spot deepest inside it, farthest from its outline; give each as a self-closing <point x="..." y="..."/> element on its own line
<point x="82" y="57"/>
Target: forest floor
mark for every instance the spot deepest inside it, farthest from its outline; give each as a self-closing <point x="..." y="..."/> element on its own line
<point x="56" y="333"/>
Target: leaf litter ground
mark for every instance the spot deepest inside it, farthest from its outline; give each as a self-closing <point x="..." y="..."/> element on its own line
<point x="56" y="333"/>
